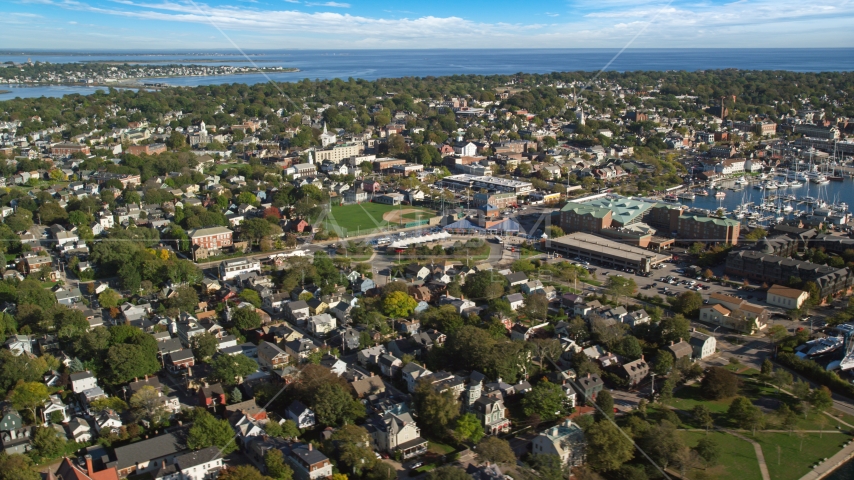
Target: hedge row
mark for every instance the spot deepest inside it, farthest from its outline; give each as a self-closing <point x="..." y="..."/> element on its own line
<point x="816" y="373"/>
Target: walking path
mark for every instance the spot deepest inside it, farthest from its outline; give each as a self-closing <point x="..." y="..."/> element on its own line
<point x="760" y="457"/>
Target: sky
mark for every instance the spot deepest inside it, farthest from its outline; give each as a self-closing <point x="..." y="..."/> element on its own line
<point x="406" y="24"/>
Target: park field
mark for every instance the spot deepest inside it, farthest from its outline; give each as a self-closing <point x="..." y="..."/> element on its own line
<point x="350" y="220"/>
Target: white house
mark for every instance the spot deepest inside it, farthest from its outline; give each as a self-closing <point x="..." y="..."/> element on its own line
<point x="108" y="420"/>
<point x="300" y="414"/>
<point x="203" y="464"/>
<point x="82" y="381"/>
<point x="702" y="345"/>
<point x="515" y="300"/>
<point x="79" y="430"/>
<point x="788" y="298"/>
<point x="54" y="404"/>
<point x="411" y="373"/>
<point x="565" y="440"/>
<point x="322" y="324"/>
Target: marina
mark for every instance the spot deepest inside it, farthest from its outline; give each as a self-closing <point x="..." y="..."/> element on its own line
<point x="770" y="198"/>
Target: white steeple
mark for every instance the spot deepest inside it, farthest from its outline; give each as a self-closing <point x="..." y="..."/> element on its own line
<point x="310" y="158"/>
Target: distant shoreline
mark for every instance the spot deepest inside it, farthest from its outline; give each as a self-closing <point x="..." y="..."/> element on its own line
<point x="138" y="82"/>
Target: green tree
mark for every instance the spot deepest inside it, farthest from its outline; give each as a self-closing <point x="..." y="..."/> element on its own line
<point x="381" y="471"/>
<point x="709" y="450"/>
<point x="448" y="473"/>
<point x="334" y="406"/>
<point x="605" y="406"/>
<point x="176" y="140"/>
<point x="495" y="450"/>
<point x="607" y="447"/>
<point x="109" y="298"/>
<point x="29" y="396"/>
<point x="147" y="404"/>
<point x="399" y="305"/>
<point x="821" y="399"/>
<point x="719" y="383"/>
<point x="276" y="466"/>
<point x="208" y="431"/>
<point x="663" y="362"/>
<point x="688" y="303"/>
<point x="621" y="286"/>
<point x="229" y="369"/>
<point x="241" y="472"/>
<point x="204" y="346"/>
<point x="702" y="416"/>
<point x="18" y="467"/>
<point x="286" y="429"/>
<point x="49" y="442"/>
<point x="485" y="285"/>
<point x="535" y="306"/>
<point x="468" y="428"/>
<point x="246" y="318"/>
<point x="662" y="443"/>
<point x="185" y="299"/>
<point x="546" y="400"/>
<point x="132" y="360"/>
<point x="439" y="410"/>
<point x="739" y="410"/>
<point x="251" y="296"/>
<point x="108" y="403"/>
<point x="673" y="329"/>
<point x="550" y="467"/>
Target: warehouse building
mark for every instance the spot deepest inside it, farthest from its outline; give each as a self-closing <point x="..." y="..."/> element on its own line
<point x="601" y="250"/>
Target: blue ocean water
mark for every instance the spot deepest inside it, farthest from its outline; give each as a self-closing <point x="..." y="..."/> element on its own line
<point x="373" y="64"/>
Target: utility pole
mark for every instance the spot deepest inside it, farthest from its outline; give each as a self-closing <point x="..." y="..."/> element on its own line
<point x="652" y="389"/>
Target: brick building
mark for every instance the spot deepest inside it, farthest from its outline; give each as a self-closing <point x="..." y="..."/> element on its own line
<point x="214" y="238"/>
<point x="69" y="149"/>
<point x="708" y="229"/>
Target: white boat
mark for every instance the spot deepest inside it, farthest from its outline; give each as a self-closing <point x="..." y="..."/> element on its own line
<point x="795" y="184"/>
<point x="788" y="208"/>
<point x="818" y="178"/>
<point x="720" y="194"/>
<point x="820" y="346"/>
<point x="687" y="196"/>
<point x="741" y="181"/>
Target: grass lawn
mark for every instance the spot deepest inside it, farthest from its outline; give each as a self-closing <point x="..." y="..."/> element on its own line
<point x="686" y="398"/>
<point x="218" y="169"/>
<point x="439" y="448"/>
<point x="794" y="462"/>
<point x="366" y="217"/>
<point x="738" y="459"/>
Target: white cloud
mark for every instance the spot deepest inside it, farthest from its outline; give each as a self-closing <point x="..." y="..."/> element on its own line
<point x="329" y="4"/>
<point x="757" y="23"/>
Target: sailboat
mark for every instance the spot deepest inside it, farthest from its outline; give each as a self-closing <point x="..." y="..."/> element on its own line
<point x="835" y="177"/>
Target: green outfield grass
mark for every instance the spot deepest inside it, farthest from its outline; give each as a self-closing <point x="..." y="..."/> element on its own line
<point x="366" y="217"/>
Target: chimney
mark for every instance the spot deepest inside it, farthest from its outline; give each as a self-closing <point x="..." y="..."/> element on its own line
<point x="135" y="379"/>
<point x="89" y="467"/>
<point x="310" y="447"/>
<point x="146" y="377"/>
<point x="671" y="343"/>
<point x="588" y="374"/>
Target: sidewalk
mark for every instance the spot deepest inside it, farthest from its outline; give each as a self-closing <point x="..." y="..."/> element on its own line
<point x="831" y="464"/>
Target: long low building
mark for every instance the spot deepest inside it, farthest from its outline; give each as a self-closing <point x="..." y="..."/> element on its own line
<point x="598" y="249"/>
<point x="492" y="184"/>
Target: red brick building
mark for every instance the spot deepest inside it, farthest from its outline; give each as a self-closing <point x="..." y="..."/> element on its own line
<point x="69" y="149"/>
<point x="214" y="238"/>
<point x="153" y="149"/>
